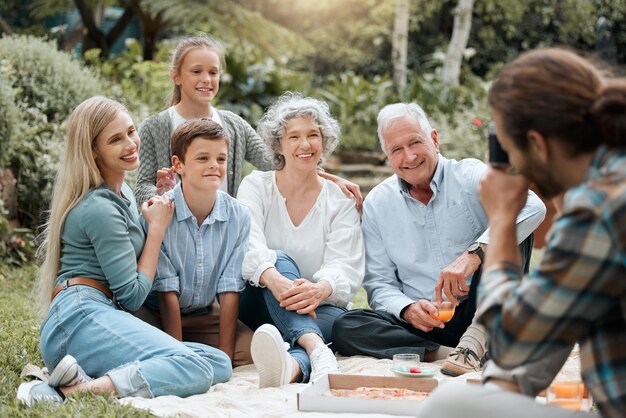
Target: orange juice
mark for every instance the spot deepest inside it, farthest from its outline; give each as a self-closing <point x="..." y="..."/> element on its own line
<point x="571" y="404"/>
<point x="566" y="389"/>
<point x="446" y="311"/>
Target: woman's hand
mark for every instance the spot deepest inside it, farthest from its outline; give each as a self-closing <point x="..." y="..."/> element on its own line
<point x="305" y="296"/>
<point x="165" y="180"/>
<point x="158" y="211"/>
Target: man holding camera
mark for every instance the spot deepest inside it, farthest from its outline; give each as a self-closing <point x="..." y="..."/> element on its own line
<point x="425" y="231"/>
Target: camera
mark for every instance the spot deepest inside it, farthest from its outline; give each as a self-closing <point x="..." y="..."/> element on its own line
<point x="498" y="157"/>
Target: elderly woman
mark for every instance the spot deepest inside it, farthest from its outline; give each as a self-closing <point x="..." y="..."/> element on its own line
<point x="305" y="260"/>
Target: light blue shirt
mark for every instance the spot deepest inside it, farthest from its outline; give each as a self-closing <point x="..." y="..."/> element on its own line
<point x="198" y="262"/>
<point x="407" y="243"/>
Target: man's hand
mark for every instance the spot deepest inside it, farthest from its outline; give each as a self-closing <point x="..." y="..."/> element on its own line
<point x="418" y="315"/>
<point x="503" y="195"/>
<point x="305" y="296"/>
<point x="452" y="279"/>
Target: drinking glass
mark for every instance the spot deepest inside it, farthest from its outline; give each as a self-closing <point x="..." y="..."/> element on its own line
<point x="565" y="394"/>
<point x="445" y="308"/>
<point x="406" y="362"/>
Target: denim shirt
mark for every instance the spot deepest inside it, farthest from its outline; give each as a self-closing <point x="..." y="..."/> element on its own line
<point x="407" y="243"/>
<point x="200" y="261"/>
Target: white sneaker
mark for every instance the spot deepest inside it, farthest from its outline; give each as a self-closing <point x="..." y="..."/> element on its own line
<point x="67" y="373"/>
<point x="270" y="357"/>
<point x="38" y="391"/>
<point x="323" y="361"/>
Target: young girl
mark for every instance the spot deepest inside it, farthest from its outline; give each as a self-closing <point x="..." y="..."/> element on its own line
<point x="195" y="69"/>
<point x="98" y="263"/>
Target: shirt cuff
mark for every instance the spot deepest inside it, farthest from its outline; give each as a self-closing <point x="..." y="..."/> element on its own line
<point x="230" y="284"/>
<point x="398" y="305"/>
<point x="167" y="284"/>
<point x="254" y="280"/>
<point x="333" y="285"/>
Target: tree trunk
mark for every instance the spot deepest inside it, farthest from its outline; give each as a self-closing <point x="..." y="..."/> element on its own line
<point x="5" y="27"/>
<point x="458" y="42"/>
<point x="399" y="43"/>
<point x="94" y="38"/>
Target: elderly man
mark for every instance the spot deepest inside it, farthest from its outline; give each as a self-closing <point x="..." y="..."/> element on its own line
<point x="425" y="231"/>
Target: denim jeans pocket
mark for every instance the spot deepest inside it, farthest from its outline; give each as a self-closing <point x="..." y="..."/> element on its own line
<point x="95" y="295"/>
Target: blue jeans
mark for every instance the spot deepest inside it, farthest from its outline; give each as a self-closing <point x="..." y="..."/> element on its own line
<point x="140" y="360"/>
<point x="291" y="324"/>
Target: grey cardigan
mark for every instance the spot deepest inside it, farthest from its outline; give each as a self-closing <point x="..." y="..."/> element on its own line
<point x="155" y="152"/>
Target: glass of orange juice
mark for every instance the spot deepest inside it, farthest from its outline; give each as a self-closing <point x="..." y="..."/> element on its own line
<point x="565" y="394"/>
<point x="445" y="309"/>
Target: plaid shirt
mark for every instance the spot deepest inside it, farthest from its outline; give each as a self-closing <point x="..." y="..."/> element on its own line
<point x="578" y="292"/>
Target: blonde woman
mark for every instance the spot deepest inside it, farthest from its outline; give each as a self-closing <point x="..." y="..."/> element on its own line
<point x="98" y="264"/>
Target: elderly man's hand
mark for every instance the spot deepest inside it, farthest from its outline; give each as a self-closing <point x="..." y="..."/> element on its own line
<point x="452" y="279"/>
<point x="418" y="315"/>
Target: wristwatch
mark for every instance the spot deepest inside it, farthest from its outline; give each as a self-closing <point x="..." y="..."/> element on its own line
<point x="475" y="248"/>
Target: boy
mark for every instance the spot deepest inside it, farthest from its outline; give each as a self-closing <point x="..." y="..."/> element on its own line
<point x="203" y="248"/>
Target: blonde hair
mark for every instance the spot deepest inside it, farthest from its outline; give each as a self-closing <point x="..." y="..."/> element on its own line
<point x="78" y="173"/>
<point x="186" y="45"/>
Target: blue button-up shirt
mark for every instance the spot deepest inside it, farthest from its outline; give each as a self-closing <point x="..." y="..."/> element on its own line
<point x="407" y="243"/>
<point x="200" y="261"/>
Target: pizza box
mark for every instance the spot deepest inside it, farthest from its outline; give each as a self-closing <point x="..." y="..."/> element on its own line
<point x="314" y="397"/>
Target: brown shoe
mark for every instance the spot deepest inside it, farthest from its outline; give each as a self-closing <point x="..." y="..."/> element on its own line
<point x="462" y="360"/>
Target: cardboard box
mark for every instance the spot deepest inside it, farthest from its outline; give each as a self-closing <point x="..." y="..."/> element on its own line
<point x="312" y="397"/>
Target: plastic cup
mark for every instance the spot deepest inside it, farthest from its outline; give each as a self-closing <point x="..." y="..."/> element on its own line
<point x="565" y="394"/>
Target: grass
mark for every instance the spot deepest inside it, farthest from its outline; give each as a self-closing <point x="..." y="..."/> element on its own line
<point x="19" y="345"/>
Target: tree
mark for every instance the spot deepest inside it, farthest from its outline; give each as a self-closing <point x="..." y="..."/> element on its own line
<point x="458" y="42"/>
<point x="95" y="38"/>
<point x="5" y="27"/>
<point x="400" y="43"/>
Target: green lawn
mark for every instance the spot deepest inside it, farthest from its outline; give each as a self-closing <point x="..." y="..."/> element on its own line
<point x="19" y="345"/>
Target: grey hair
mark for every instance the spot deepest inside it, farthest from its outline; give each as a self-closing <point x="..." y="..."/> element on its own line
<point x="394" y="111"/>
<point x="293" y="105"/>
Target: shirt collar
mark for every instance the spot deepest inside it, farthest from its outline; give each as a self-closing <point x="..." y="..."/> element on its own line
<point x="603" y="162"/>
<point x="435" y="182"/>
<point x="219" y="212"/>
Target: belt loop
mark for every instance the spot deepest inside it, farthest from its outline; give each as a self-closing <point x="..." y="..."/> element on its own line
<point x="65" y="284"/>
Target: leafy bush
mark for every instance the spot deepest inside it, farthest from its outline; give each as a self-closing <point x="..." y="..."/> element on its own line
<point x="43" y="85"/>
<point x="16" y="244"/>
<point x="355" y="102"/>
<point x="10" y="116"/>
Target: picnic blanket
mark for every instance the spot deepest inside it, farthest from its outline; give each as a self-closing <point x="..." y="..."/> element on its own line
<point x="241" y="396"/>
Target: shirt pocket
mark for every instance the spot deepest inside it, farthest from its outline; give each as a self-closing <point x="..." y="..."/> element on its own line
<point x="458" y="226"/>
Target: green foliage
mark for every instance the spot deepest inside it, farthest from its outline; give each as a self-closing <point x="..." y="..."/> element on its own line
<point x="41" y="87"/>
<point x="19" y="345"/>
<point x="16" y="244"/>
<point x="10" y="115"/>
<point x="143" y="86"/>
<point x="355" y="102"/>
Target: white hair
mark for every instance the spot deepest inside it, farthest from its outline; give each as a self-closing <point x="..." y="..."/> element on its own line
<point x="272" y="125"/>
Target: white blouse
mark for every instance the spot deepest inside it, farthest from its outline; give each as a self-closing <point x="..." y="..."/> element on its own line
<point x="327" y="245"/>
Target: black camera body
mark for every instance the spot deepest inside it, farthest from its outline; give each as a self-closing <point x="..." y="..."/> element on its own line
<point x="498" y="157"/>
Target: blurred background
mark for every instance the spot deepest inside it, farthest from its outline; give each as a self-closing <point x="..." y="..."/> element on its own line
<point x="357" y="55"/>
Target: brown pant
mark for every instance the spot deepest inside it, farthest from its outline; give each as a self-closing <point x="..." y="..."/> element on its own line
<point x="205" y="329"/>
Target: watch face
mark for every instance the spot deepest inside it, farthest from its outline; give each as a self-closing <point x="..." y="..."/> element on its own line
<point x="473" y="247"/>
